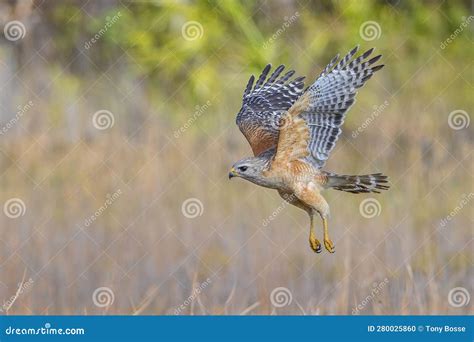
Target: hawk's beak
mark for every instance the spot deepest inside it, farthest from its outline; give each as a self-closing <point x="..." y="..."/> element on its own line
<point x="232" y="173"/>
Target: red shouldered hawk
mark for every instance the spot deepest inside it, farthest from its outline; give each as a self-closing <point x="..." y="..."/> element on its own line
<point x="292" y="131"/>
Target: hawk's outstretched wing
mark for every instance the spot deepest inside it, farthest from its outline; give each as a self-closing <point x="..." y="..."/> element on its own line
<point x="264" y="104"/>
<point x="323" y="107"/>
<point x="331" y="96"/>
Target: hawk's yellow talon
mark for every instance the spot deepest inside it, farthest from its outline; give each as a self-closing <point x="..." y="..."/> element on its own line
<point x="315" y="244"/>
<point x="329" y="246"/>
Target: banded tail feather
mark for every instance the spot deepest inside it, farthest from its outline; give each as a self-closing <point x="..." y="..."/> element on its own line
<point x="358" y="184"/>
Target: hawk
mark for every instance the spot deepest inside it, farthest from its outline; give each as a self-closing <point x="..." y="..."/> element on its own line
<point x="292" y="131"/>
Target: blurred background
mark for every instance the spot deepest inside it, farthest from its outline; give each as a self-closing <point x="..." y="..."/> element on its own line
<point x="117" y="131"/>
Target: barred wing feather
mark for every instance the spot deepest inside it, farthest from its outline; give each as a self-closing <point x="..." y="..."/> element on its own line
<point x="331" y="96"/>
<point x="264" y="104"/>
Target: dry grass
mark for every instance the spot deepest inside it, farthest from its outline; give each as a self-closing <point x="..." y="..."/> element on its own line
<point x="150" y="255"/>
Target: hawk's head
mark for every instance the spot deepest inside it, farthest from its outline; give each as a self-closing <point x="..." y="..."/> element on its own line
<point x="250" y="169"/>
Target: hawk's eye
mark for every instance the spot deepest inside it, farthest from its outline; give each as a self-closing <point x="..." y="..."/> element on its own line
<point x="243" y="168"/>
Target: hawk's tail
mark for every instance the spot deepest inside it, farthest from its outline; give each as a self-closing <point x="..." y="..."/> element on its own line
<point x="358" y="184"/>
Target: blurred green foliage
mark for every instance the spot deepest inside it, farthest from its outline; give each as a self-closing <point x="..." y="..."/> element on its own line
<point x="234" y="35"/>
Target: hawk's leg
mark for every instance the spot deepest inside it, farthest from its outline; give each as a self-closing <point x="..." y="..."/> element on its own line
<point x="327" y="241"/>
<point x="311" y="198"/>
<point x="313" y="241"/>
<point x="293" y="199"/>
